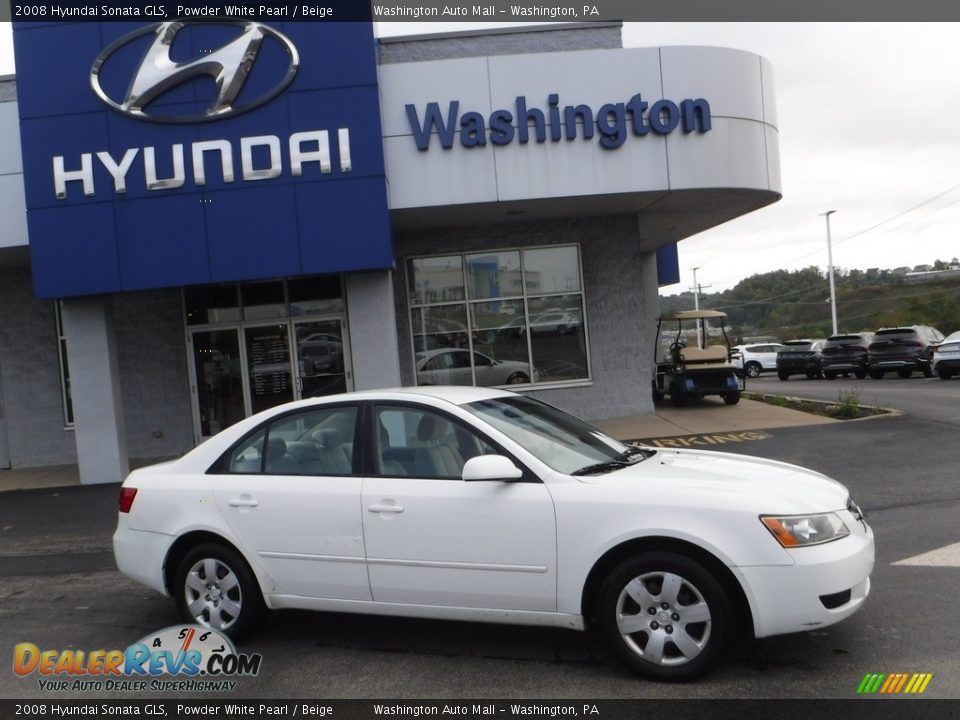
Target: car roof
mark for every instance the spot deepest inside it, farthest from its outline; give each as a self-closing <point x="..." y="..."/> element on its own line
<point x="456" y="394"/>
<point x="693" y="315"/>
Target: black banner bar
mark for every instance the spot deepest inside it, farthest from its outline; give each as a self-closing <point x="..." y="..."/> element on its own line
<point x="515" y="11"/>
<point x="861" y="709"/>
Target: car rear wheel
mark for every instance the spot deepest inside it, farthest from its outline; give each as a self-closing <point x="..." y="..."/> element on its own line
<point x="664" y="616"/>
<point x="904" y="373"/>
<point x="752" y="369"/>
<point x="215" y="588"/>
<point x="517" y="378"/>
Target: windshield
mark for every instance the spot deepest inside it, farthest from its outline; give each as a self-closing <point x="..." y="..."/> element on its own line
<point x="559" y="440"/>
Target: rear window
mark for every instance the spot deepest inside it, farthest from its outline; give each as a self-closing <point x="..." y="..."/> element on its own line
<point x="797" y="345"/>
<point x="838" y="340"/>
<point x="896" y="332"/>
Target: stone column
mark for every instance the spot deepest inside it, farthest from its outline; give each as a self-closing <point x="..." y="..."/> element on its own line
<point x="372" y="319"/>
<point x="95" y="390"/>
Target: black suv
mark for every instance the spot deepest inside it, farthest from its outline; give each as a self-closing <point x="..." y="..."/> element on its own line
<point x="845" y="354"/>
<point x="799" y="357"/>
<point x="904" y="349"/>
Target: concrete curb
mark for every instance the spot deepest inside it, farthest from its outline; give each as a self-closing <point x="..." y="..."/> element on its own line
<point x="882" y="412"/>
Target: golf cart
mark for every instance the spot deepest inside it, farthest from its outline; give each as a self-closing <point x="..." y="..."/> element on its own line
<point x="688" y="367"/>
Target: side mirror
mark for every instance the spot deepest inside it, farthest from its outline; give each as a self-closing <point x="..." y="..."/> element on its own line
<point x="490" y="467"/>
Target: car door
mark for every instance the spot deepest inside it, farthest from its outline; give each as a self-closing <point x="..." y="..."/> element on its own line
<point x="291" y="497"/>
<point x="433" y="539"/>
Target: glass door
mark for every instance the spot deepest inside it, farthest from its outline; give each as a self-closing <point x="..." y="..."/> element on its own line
<point x="218" y="379"/>
<point x="268" y="365"/>
<point x="323" y="357"/>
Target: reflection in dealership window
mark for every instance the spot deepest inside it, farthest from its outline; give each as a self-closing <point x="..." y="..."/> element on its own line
<point x="499" y="317"/>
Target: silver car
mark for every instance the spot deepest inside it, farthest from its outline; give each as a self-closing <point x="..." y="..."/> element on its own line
<point x="451" y="366"/>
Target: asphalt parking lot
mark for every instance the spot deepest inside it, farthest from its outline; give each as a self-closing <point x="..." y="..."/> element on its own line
<point x="59" y="588"/>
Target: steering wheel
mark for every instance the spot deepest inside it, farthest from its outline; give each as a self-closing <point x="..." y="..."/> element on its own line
<point x="677" y="346"/>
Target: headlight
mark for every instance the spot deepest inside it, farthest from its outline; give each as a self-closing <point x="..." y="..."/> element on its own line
<point x="799" y="530"/>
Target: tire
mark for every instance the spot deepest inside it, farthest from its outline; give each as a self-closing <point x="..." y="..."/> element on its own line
<point x="860" y="374"/>
<point x="830" y="375"/>
<point x="783" y="375"/>
<point x="240" y="603"/>
<point x="876" y="374"/>
<point x="945" y="374"/>
<point x="752" y="369"/>
<point x="697" y="616"/>
<point x="731" y="398"/>
<point x="904" y="373"/>
<point x="678" y="398"/>
<point x="517" y="378"/>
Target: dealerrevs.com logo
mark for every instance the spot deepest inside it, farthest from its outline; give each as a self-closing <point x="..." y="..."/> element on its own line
<point x="199" y="659"/>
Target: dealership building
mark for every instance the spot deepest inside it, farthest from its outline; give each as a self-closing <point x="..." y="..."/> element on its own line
<point x="204" y="220"/>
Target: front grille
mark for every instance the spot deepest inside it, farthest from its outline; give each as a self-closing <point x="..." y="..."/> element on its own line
<point x="835" y="600"/>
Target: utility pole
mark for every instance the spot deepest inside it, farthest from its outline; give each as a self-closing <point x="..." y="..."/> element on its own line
<point x="833" y="291"/>
<point x="697" y="289"/>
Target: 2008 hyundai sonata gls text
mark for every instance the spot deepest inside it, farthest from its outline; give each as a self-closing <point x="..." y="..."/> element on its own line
<point x="476" y="504"/>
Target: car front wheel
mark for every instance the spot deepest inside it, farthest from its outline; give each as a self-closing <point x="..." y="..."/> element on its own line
<point x="215" y="588"/>
<point x="752" y="369"/>
<point x="664" y="616"/>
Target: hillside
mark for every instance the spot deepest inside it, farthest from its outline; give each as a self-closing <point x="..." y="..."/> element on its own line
<point x="786" y="304"/>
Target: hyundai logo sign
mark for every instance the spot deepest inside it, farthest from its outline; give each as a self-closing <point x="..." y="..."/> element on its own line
<point x="229" y="65"/>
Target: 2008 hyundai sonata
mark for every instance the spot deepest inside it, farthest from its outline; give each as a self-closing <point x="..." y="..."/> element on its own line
<point x="477" y="504"/>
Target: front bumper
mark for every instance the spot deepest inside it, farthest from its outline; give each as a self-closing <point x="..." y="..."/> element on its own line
<point x="787" y="598"/>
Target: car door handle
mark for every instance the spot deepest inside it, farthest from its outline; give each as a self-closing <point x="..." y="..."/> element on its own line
<point x="386" y="508"/>
<point x="244" y="502"/>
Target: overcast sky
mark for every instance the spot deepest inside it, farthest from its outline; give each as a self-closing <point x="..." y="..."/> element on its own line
<point x="868" y="127"/>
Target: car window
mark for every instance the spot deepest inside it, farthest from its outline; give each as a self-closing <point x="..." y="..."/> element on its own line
<point x="318" y="441"/>
<point x="420" y="443"/>
<point x="443" y="361"/>
<point x="480" y="359"/>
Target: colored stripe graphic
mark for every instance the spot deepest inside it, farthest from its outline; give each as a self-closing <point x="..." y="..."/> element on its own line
<point x="894" y="683"/>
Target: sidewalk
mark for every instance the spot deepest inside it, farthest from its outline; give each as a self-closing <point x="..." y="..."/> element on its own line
<point x="709" y="415"/>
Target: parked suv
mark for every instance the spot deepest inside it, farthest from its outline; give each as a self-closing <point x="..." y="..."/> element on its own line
<point x="845" y="354"/>
<point x="751" y="360"/>
<point x="904" y="349"/>
<point x="799" y="357"/>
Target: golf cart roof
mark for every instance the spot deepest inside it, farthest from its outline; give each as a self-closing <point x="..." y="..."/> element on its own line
<point x="693" y="315"/>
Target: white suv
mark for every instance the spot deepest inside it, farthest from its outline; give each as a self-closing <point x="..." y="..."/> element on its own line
<point x="756" y="358"/>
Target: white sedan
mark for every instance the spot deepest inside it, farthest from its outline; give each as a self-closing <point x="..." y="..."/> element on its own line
<point x="451" y="366"/>
<point x="946" y="358"/>
<point x="476" y="504"/>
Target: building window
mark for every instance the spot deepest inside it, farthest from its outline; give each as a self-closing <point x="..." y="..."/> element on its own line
<point x="263" y="300"/>
<point x="64" y="367"/>
<point x="499" y="318"/>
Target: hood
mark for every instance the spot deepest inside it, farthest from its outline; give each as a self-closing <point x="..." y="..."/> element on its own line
<point x="710" y="478"/>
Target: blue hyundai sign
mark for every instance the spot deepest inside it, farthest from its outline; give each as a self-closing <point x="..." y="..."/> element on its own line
<point x="180" y="153"/>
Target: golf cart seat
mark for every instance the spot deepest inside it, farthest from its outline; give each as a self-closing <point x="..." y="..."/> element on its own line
<point x="713" y="355"/>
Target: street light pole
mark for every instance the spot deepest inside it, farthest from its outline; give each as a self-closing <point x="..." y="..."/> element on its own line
<point x="833" y="291"/>
<point x="696" y="306"/>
